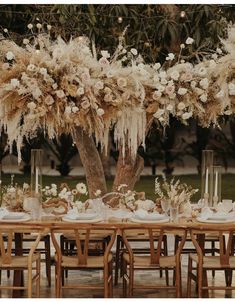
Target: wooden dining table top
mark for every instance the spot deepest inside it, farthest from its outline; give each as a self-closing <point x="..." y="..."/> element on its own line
<point x="57" y="222"/>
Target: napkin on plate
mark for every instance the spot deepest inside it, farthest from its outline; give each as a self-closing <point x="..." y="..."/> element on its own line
<point x="120" y="213"/>
<point x="74" y="215"/>
<point x="208" y="214"/>
<point x="3" y="212"/>
<point x="144" y="215"/>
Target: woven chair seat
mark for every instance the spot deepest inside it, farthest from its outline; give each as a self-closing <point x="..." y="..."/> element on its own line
<point x="145" y="261"/>
<point x="213" y="262"/>
<point x="19" y="261"/>
<point x="92" y="261"/>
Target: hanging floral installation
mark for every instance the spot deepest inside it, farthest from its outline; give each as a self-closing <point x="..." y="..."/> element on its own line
<point x="57" y="86"/>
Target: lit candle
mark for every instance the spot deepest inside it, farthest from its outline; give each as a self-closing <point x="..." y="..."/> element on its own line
<point x="207" y="178"/>
<point x="36" y="181"/>
<point x="216" y="184"/>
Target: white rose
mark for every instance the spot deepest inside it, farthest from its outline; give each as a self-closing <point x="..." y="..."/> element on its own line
<point x="181" y="106"/>
<point x="49" y="26"/>
<point x="99" y="85"/>
<point x="39" y="25"/>
<point x="100" y="111"/>
<point x="163" y="81"/>
<point x="203" y="97"/>
<point x="186" y="115"/>
<point x="80" y="91"/>
<point x="31" y="105"/>
<point x="105" y="54"/>
<point x="121" y="82"/>
<point x="202" y="71"/>
<point x="170" y="89"/>
<point x="97" y="193"/>
<point x="156" y="66"/>
<point x="43" y="71"/>
<point x="182" y="91"/>
<point x="219" y="51"/>
<point x="170" y="57"/>
<point x="189" y="41"/>
<point x="169" y="107"/>
<point x="220" y="94"/>
<point x="157" y="94"/>
<point x="31" y="67"/>
<point x="26" y="41"/>
<point x="204" y="83"/>
<point x="85" y="104"/>
<point x="159" y="113"/>
<point x="67" y="110"/>
<point x="175" y="75"/>
<point x="75" y="109"/>
<point x="193" y="84"/>
<point x="10" y="56"/>
<point x="160" y="87"/>
<point x="182" y="46"/>
<point x="14" y="83"/>
<point x="55" y="86"/>
<point x="231" y="89"/>
<point x="134" y="51"/>
<point x="30" y="26"/>
<point x="162" y="74"/>
<point x="60" y="94"/>
<point x="49" y="100"/>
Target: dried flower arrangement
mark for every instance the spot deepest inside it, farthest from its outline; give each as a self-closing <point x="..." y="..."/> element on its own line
<point x="177" y="193"/>
<point x="57" y="86"/>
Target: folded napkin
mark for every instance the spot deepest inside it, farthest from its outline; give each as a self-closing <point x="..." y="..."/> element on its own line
<point x="3" y="212"/>
<point x="80" y="216"/>
<point x="144" y="215"/>
<point x="120" y="213"/>
<point x="220" y="215"/>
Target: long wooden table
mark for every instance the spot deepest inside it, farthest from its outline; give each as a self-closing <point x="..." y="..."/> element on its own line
<point x="119" y="224"/>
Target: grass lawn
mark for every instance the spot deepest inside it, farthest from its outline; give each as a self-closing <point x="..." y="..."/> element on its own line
<point x="146" y="183"/>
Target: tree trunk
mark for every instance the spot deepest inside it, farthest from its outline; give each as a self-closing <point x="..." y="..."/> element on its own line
<point x="91" y="162"/>
<point x="128" y="170"/>
<point x="105" y="158"/>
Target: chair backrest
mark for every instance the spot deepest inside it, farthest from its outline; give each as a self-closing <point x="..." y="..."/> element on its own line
<point x="7" y="236"/>
<point x="156" y="237"/>
<point x="226" y="246"/>
<point x="83" y="235"/>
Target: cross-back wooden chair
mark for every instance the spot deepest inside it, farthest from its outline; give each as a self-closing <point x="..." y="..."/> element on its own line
<point x="223" y="261"/>
<point x="30" y="262"/>
<point x="82" y="260"/>
<point x="156" y="260"/>
<point x="97" y="245"/>
<point x="141" y="237"/>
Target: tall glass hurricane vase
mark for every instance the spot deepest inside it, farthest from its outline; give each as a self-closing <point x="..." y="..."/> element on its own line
<point x="216" y="185"/>
<point x="207" y="177"/>
<point x="36" y="173"/>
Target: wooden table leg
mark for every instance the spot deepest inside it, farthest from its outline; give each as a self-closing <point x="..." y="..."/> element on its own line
<point x="18" y="274"/>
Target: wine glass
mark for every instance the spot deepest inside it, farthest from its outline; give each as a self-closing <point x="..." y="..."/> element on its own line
<point x="165" y="204"/>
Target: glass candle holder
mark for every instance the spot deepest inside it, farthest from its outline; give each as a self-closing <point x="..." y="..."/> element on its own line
<point x="207" y="177"/>
<point x="216" y="185"/>
<point x="36" y="173"/>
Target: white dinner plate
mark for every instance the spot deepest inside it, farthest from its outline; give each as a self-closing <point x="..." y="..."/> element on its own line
<point x="14" y="217"/>
<point x="214" y="220"/>
<point x="149" y="221"/>
<point x="71" y="219"/>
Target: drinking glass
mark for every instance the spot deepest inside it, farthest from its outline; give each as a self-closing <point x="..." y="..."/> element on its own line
<point x="174" y="214"/>
<point x="165" y="204"/>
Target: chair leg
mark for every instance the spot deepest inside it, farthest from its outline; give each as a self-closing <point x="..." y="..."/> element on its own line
<point x="58" y="283"/>
<point x="30" y="282"/>
<point x="117" y="259"/>
<point x="199" y="278"/>
<point x="189" y="279"/>
<point x="106" y="283"/>
<point x="124" y="280"/>
<point x="48" y="258"/>
<point x="166" y="254"/>
<point x="178" y="280"/>
<point x="111" y="279"/>
<point x="38" y="272"/>
<point x="131" y="281"/>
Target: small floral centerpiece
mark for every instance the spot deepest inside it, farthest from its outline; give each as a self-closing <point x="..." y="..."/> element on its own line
<point x="13" y="196"/>
<point x="60" y="201"/>
<point x="130" y="200"/>
<point x="178" y="194"/>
